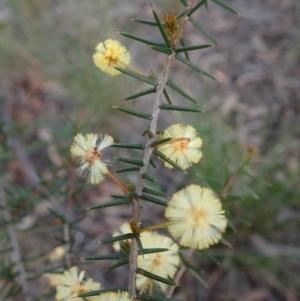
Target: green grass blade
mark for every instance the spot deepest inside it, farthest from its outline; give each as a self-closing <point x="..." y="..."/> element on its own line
<point x="195" y="67"/>
<point x="134" y="113"/>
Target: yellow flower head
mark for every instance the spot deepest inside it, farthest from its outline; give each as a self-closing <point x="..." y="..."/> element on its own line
<point x="111" y="296"/>
<point x="196" y="216"/>
<point x="123" y="245"/>
<point x="163" y="264"/>
<point x="89" y="151"/>
<point x="185" y="146"/>
<point x="110" y="54"/>
<point x="74" y="283"/>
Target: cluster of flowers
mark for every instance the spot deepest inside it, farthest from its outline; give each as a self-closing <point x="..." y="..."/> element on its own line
<point x="195" y="216"/>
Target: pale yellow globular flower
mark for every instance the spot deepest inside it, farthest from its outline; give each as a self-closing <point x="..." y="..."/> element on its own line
<point x="73" y="283"/>
<point x="89" y="151"/>
<point x="196" y="217"/>
<point x="122" y="245"/>
<point x="110" y="54"/>
<point x="112" y="296"/>
<point x="53" y="278"/>
<point x="185" y="146"/>
<point x="163" y="264"/>
<point x="57" y="254"/>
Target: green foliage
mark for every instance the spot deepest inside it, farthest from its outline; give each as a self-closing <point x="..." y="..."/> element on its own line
<point x="253" y="205"/>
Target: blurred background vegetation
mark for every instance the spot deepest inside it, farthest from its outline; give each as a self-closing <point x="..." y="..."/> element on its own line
<point x="50" y="90"/>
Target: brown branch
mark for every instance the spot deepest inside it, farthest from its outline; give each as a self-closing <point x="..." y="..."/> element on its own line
<point x="147" y="155"/>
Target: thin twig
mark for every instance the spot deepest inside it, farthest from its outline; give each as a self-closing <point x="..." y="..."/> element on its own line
<point x="147" y="155"/>
<point x="16" y="254"/>
<point x="179" y="274"/>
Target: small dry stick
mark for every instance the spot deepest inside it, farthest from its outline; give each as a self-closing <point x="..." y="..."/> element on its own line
<point x="179" y="274"/>
<point x="147" y="155"/>
<point x="16" y="254"/>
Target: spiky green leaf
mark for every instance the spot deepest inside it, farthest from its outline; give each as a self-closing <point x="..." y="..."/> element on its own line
<point x="159" y="142"/>
<point x="156" y="298"/>
<point x="134" y="113"/>
<point x="155" y="277"/>
<point x="150" y="81"/>
<point x="195" y="67"/>
<point x="185" y="52"/>
<point x="180" y="91"/>
<point x="164" y="158"/>
<point x="190" y="48"/>
<point x="142" y="40"/>
<point x="129" y="145"/>
<point x="164" y="50"/>
<point x="144" y="21"/>
<point x="154" y="192"/>
<point x="99" y="292"/>
<point x="118" y="264"/>
<point x="196" y="7"/>
<point x="127" y="169"/>
<point x="153" y="250"/>
<point x="142" y="93"/>
<point x="110" y="204"/>
<point x="130" y="161"/>
<point x="165" y="106"/>
<point x="117" y="238"/>
<point x="149" y="178"/>
<point x="119" y="256"/>
<point x="167" y="97"/>
<point x="226" y="6"/>
<point x="205" y="32"/>
<point x="152" y="199"/>
<point x="161" y="29"/>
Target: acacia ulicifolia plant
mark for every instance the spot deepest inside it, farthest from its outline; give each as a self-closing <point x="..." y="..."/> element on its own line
<point x="194" y="215"/>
